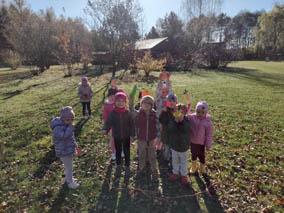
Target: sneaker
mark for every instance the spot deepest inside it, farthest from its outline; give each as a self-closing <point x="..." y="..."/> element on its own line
<point x="184" y="180"/>
<point x="173" y="177"/>
<point x="91" y="116"/>
<point x="73" y="185"/>
<point x="113" y="157"/>
<point x="85" y="117"/>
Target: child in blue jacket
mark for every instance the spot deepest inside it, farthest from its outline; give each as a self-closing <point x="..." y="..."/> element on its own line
<point x="64" y="142"/>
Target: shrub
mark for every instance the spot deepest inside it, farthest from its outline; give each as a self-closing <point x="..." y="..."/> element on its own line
<point x="12" y="59"/>
<point x="148" y="64"/>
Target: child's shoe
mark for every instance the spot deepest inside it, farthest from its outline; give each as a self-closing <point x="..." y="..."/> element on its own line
<point x="202" y="168"/>
<point x="73" y="185"/>
<point x="173" y="177"/>
<point x="184" y="180"/>
<point x="113" y="157"/>
<point x="193" y="167"/>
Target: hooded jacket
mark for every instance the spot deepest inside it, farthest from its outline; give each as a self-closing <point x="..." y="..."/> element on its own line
<point x="201" y="131"/>
<point x="85" y="92"/>
<point x="63" y="137"/>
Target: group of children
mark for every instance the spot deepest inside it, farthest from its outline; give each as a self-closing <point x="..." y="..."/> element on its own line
<point x="160" y="124"/>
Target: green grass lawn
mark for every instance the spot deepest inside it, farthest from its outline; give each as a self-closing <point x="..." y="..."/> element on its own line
<point x="245" y="164"/>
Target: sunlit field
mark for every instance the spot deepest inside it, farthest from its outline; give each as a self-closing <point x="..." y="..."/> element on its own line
<point x="245" y="164"/>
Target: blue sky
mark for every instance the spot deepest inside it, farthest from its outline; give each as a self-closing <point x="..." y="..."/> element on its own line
<point x="153" y="9"/>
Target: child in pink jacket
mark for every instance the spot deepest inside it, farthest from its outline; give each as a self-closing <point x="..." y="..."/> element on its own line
<point x="108" y="107"/>
<point x="201" y="133"/>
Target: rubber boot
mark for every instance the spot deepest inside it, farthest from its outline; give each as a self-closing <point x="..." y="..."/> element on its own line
<point x="202" y="168"/>
<point x="193" y="167"/>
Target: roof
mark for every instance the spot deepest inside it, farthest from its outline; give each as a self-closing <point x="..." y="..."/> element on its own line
<point x="148" y="43"/>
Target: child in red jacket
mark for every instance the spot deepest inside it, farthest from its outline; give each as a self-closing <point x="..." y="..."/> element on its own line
<point x="123" y="132"/>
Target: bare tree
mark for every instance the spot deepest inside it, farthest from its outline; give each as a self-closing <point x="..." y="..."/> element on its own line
<point x="196" y="8"/>
<point x="116" y="22"/>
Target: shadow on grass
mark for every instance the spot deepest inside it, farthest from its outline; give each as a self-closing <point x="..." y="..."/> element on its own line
<point x="266" y="79"/>
<point x="45" y="163"/>
<point x="60" y="199"/>
<point x="18" y="92"/>
<point x="176" y="197"/>
<point x="93" y="71"/>
<point x="107" y="201"/>
<point x="79" y="126"/>
<point x="211" y="199"/>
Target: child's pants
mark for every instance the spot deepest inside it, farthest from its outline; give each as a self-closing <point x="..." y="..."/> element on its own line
<point x="179" y="160"/>
<point x="198" y="151"/>
<point x="88" y="105"/>
<point x="122" y="144"/>
<point x="67" y="161"/>
<point x="144" y="147"/>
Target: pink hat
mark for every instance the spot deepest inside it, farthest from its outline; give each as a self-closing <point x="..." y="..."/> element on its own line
<point x="202" y="105"/>
<point x="121" y="95"/>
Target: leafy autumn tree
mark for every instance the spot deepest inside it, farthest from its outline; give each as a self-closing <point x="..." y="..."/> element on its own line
<point x="270" y="30"/>
<point x="148" y="64"/>
<point x="64" y="53"/>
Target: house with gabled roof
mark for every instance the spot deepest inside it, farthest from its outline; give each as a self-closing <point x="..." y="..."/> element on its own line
<point x="156" y="45"/>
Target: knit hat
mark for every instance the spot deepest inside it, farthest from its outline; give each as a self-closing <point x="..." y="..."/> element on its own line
<point x="84" y="78"/>
<point x="202" y="105"/>
<point x="172" y="97"/>
<point x="120" y="95"/>
<point x="148" y="99"/>
<point x="67" y="113"/>
<point x="111" y="91"/>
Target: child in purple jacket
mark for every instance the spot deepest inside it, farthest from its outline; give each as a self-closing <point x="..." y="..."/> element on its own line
<point x="201" y="133"/>
<point x="64" y="142"/>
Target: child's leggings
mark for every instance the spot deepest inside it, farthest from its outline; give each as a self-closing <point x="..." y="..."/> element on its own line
<point x="67" y="161"/>
<point x="198" y="151"/>
<point x="88" y="105"/>
<point x="122" y="145"/>
<point x="112" y="145"/>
